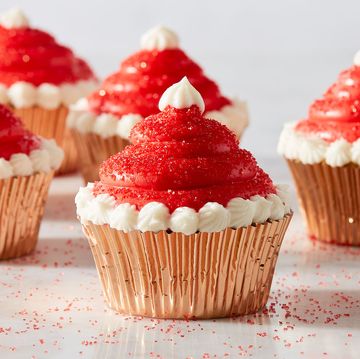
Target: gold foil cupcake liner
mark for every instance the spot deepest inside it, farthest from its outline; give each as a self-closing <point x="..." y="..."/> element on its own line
<point x="22" y="201"/>
<point x="95" y="149"/>
<point x="52" y="124"/>
<point x="330" y="201"/>
<point x="173" y="275"/>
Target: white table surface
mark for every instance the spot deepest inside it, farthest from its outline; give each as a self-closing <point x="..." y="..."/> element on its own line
<point x="51" y="305"/>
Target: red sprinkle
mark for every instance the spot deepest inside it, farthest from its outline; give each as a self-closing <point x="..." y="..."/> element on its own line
<point x="34" y="56"/>
<point x="182" y="159"/>
<point x="142" y="79"/>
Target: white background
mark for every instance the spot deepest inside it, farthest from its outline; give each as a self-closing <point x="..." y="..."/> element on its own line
<point x="279" y="54"/>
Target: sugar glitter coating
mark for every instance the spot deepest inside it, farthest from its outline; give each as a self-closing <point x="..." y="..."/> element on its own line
<point x="33" y="56"/>
<point x="337" y="114"/>
<point x="144" y="76"/>
<point x="182" y="159"/>
<point x="14" y="138"/>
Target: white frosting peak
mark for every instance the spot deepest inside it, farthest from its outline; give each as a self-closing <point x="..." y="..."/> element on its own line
<point x="159" y="38"/>
<point x="14" y="18"/>
<point x="357" y="59"/>
<point x="182" y="95"/>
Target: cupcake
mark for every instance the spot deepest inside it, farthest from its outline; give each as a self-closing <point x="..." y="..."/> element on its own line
<point x="102" y="122"/>
<point x="183" y="223"/>
<point x="27" y="165"/>
<point x="39" y="79"/>
<point x="323" y="154"/>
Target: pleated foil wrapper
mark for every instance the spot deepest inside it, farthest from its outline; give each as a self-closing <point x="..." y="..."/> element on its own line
<point x="173" y="275"/>
<point x="330" y="201"/>
<point x="94" y="150"/>
<point x="52" y="124"/>
<point x="22" y="202"/>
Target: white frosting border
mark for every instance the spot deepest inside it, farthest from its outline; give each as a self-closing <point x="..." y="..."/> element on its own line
<point x="310" y="149"/>
<point x="48" y="157"/>
<point x="155" y="216"/>
<point x="23" y="94"/>
<point x="234" y="116"/>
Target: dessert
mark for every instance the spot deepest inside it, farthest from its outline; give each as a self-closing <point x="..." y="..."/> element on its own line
<point x="183" y="223"/>
<point x="27" y="165"/>
<point x="102" y="122"/>
<point x="323" y="154"/>
<point x="39" y="79"/>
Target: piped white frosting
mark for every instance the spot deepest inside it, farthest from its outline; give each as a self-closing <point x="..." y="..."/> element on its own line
<point x="13" y="18"/>
<point x="159" y="38"/>
<point x="184" y="220"/>
<point x="242" y="212"/>
<point x="6" y="169"/>
<point x="155" y="216"/>
<point x="124" y="217"/>
<point x="234" y="116"/>
<point x="24" y="94"/>
<point x="213" y="217"/>
<point x="262" y="209"/>
<point x="181" y="95"/>
<point x="310" y="149"/>
<point x="48" y="157"/>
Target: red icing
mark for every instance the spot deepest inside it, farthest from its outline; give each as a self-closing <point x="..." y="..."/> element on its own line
<point x="180" y="158"/>
<point x="143" y="78"/>
<point x="33" y="56"/>
<point x="337" y="114"/>
<point x="14" y="138"/>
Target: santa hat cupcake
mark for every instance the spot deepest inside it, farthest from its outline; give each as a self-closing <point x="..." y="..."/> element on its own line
<point x="39" y="79"/>
<point x="101" y="123"/>
<point x="27" y="165"/>
<point x="183" y="223"/>
<point x="323" y="153"/>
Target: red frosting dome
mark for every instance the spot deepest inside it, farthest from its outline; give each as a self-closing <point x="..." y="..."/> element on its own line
<point x="142" y="79"/>
<point x="180" y="158"/>
<point x="14" y="138"/>
<point x="337" y="114"/>
<point x="33" y="56"/>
